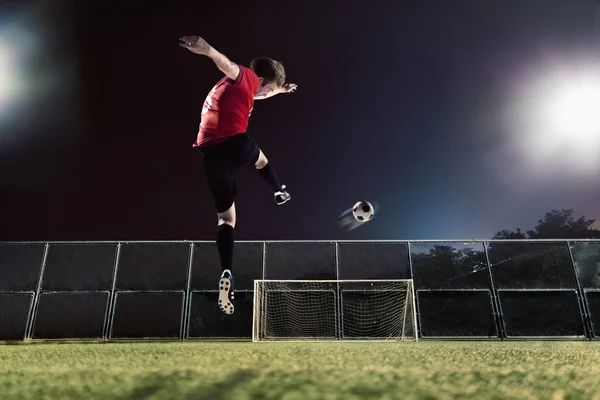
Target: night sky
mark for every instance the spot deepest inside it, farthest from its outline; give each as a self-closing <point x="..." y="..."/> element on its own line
<point x="399" y="103"/>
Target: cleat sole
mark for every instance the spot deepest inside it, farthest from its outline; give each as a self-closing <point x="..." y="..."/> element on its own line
<point x="224" y="303"/>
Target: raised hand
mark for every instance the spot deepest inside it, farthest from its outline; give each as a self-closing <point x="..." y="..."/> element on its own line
<point x="288" y="87"/>
<point x="195" y="44"/>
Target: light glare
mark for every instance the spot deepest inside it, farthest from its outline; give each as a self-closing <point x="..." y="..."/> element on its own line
<point x="4" y="74"/>
<point x="574" y="113"/>
<point x="554" y="121"/>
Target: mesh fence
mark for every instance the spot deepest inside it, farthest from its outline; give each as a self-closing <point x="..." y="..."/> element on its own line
<point x="373" y="261"/>
<point x="462" y="308"/>
<point x="147" y="315"/>
<point x="587" y="263"/>
<point x="14" y="310"/>
<point x="449" y="266"/>
<point x="541" y="313"/>
<point x="70" y="315"/>
<point x="79" y="267"/>
<point x="208" y="321"/>
<point x="450" y="313"/>
<point x="20" y="266"/>
<point x="593" y="301"/>
<point x="153" y="266"/>
<point x="300" y="261"/>
<point x="523" y="265"/>
<point x="206" y="267"/>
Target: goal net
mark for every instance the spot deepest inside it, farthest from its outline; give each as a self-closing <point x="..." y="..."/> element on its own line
<point x="334" y="310"/>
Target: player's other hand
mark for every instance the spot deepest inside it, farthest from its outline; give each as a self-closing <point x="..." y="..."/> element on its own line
<point x="195" y="44"/>
<point x="288" y="87"/>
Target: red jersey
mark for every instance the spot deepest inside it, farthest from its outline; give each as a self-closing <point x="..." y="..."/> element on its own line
<point x="227" y="108"/>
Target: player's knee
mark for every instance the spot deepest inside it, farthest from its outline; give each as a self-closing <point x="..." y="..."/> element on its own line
<point x="227" y="217"/>
<point x="228" y="221"/>
<point x="261" y="162"/>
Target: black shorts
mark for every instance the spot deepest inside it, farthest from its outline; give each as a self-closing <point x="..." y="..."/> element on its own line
<point x="220" y="163"/>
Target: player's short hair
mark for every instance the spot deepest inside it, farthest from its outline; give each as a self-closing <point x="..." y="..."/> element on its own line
<point x="268" y="69"/>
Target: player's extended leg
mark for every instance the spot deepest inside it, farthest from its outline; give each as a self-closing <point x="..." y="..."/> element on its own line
<point x="221" y="182"/>
<point x="225" y="242"/>
<point x="267" y="172"/>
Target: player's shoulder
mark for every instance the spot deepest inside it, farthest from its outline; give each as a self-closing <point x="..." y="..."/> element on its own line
<point x="246" y="78"/>
<point x="247" y="70"/>
<point x="248" y="73"/>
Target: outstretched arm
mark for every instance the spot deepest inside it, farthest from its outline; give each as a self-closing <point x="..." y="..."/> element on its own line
<point x="197" y="45"/>
<point x="286" y="88"/>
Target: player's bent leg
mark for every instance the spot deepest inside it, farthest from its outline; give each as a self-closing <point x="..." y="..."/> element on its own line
<point x="225" y="241"/>
<point x="267" y="172"/>
<point x="262" y="160"/>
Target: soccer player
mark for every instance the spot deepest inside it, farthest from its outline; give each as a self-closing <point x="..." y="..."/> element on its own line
<point x="226" y="146"/>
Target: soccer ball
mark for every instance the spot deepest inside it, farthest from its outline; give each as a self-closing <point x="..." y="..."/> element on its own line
<point x="363" y="211"/>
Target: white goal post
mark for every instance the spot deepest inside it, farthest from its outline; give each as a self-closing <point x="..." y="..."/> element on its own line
<point x="316" y="310"/>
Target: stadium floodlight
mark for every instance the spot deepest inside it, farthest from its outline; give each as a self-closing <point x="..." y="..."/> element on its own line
<point x="556" y="124"/>
<point x="568" y="126"/>
<point x="321" y="310"/>
<point x="572" y="111"/>
<point x="11" y="82"/>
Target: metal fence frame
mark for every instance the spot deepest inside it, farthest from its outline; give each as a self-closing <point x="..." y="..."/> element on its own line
<point x="185" y="317"/>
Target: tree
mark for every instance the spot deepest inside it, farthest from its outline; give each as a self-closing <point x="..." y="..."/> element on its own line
<point x="556" y="225"/>
<point x="450" y="266"/>
<point x="504" y="234"/>
<point x="543" y="265"/>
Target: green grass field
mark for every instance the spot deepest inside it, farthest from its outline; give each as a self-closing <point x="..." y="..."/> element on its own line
<point x="220" y="370"/>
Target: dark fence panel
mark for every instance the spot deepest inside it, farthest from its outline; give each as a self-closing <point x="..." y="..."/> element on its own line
<point x="592" y="297"/>
<point x="454" y="313"/>
<point x="449" y="265"/>
<point x="454" y="290"/>
<point x="247" y="265"/>
<point x="208" y="321"/>
<point x="205" y="318"/>
<point x="586" y="256"/>
<point x="586" y="259"/>
<point x="527" y="265"/>
<point x="71" y="315"/>
<point x="153" y="266"/>
<point x="20" y="266"/>
<point x="373" y="260"/>
<point x="14" y="313"/>
<point x="541" y="313"/>
<point x="79" y="267"/>
<point x="147" y="315"/>
<point x="302" y="261"/>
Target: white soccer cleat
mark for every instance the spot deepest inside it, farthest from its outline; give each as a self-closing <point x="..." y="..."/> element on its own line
<point x="282" y="196"/>
<point x="226" y="292"/>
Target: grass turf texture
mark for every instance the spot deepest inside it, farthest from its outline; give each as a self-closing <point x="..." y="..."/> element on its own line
<point x="200" y="370"/>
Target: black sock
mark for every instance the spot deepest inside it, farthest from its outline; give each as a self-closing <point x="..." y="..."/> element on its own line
<point x="225" y="245"/>
<point x="268" y="174"/>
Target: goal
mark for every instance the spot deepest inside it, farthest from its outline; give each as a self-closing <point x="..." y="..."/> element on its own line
<point x="289" y="310"/>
